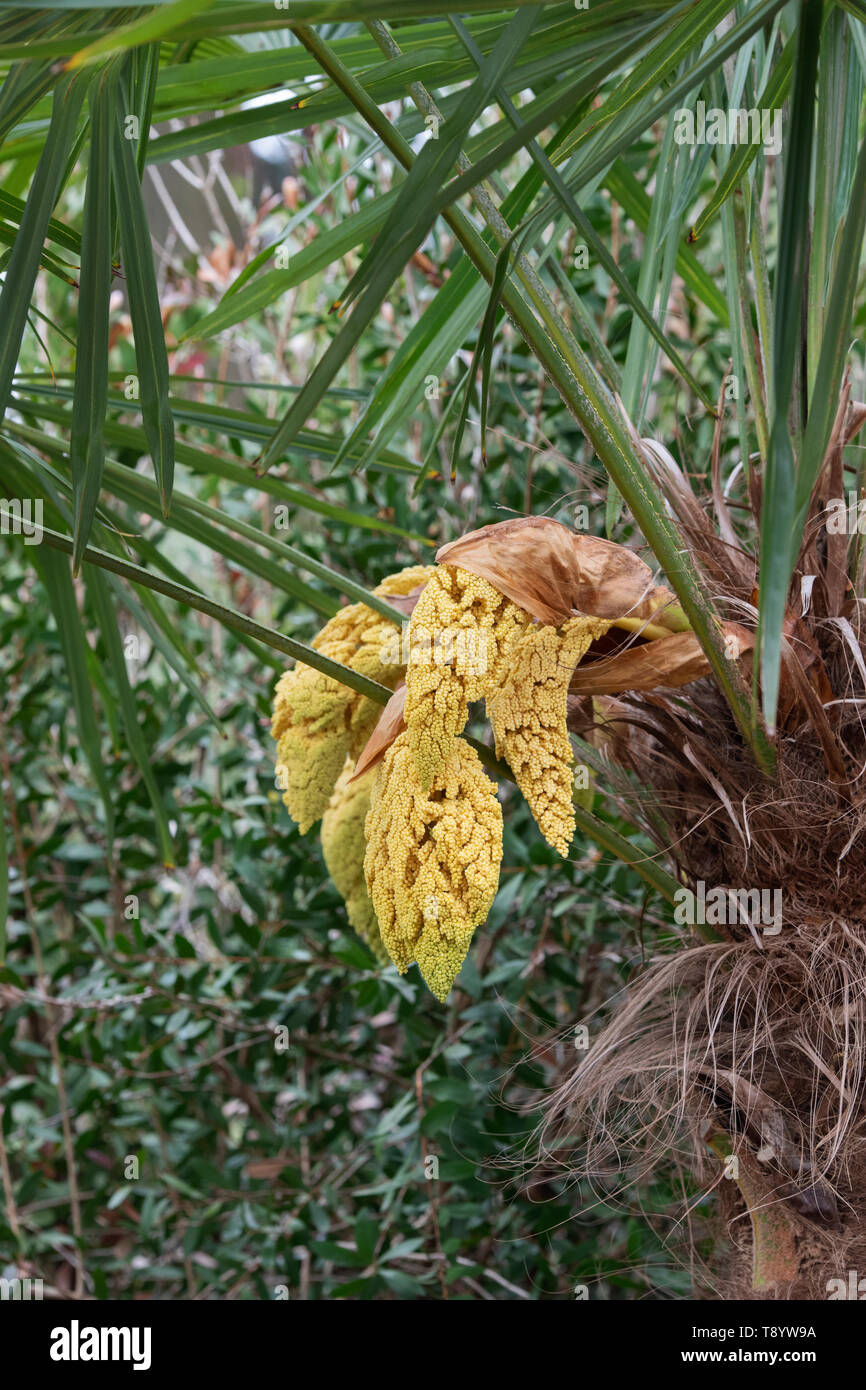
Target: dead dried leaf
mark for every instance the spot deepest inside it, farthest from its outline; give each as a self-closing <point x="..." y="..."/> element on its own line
<point x="551" y="571"/>
<point x="670" y="662"/>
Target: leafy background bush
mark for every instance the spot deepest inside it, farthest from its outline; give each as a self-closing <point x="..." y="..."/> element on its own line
<point x="271" y="1161"/>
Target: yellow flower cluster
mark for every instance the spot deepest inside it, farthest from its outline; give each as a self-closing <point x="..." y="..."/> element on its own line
<point x="528" y="714"/>
<point x="432" y="861"/>
<point x="414" y="845"/>
<point x="344" y="846"/>
<point x="460" y="636"/>
<point x="317" y="721"/>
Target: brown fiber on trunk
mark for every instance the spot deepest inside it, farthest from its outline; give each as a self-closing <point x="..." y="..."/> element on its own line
<point x="744" y="1039"/>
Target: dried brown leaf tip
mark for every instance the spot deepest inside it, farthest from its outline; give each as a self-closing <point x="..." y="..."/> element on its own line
<point x="553" y="572"/>
<point x="674" y="660"/>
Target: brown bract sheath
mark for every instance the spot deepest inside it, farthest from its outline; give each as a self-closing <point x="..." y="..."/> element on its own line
<point x="666" y="664"/>
<point x="391" y="724"/>
<point x="553" y="572"/>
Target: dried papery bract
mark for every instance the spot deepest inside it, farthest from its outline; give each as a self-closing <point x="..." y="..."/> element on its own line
<point x="432" y="864"/>
<point x="317" y="721"/>
<point x="553" y="572"/>
<point x="344" y="847"/>
<point x="461" y="635"/>
<point x="528" y="713"/>
<point x="672" y="661"/>
<point x="391" y="723"/>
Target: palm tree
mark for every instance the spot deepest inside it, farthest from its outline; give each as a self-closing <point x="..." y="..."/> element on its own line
<point x="498" y="131"/>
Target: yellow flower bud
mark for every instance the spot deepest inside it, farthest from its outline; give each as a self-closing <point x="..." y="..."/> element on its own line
<point x="528" y="713"/>
<point x="432" y="863"/>
<point x="344" y="846"/>
<point x="460" y="637"/>
<point x="317" y="721"/>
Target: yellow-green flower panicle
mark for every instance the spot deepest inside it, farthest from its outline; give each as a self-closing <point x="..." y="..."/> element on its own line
<point x="317" y="721"/>
<point x="528" y="713"/>
<point x="344" y="847"/>
<point x="311" y="725"/>
<point x="432" y="862"/>
<point x="460" y="636"/>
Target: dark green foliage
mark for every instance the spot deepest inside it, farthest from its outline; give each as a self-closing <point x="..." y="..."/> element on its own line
<point x="260" y="1167"/>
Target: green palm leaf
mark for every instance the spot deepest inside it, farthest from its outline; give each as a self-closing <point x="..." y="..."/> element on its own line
<point x="87" y="435"/>
<point x="145" y="311"/>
